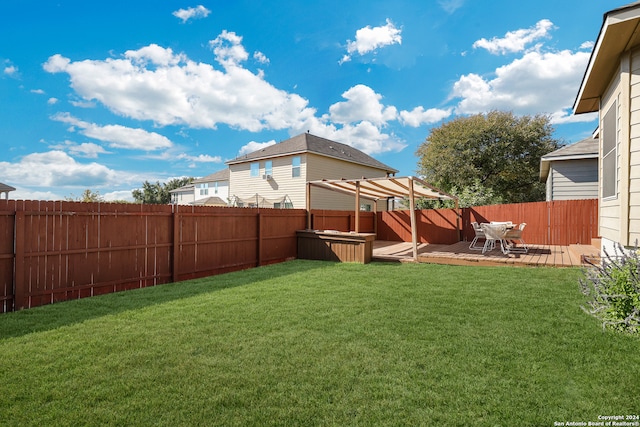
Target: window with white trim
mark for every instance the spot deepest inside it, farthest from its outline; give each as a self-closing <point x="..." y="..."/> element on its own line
<point x="610" y="152"/>
<point x="268" y="167"/>
<point x="255" y="169"/>
<point x="295" y="167"/>
<point x="204" y="188"/>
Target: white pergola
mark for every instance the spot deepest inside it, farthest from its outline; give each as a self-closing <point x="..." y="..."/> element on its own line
<point x="383" y="188"/>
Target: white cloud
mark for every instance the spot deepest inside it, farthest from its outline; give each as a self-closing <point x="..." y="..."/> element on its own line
<point x="155" y="84"/>
<point x="117" y="136"/>
<point x="37" y="91"/>
<point x="587" y="45"/>
<point x="254" y="146"/>
<point x="192" y="13"/>
<point x="537" y="83"/>
<point x="56" y="64"/>
<point x="52" y="101"/>
<point x="10" y="70"/>
<point x="516" y="41"/>
<point x="85" y="149"/>
<point x="260" y="57"/>
<point x="419" y="116"/>
<point x="362" y="104"/>
<point x="201" y="158"/>
<point x="113" y="196"/>
<point x="370" y="39"/>
<point x="57" y="169"/>
<point x="228" y="49"/>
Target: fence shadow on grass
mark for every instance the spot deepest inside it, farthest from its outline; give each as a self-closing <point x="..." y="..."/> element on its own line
<point x="53" y="316"/>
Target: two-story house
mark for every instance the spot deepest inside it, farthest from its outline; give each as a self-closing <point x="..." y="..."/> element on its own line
<point x="276" y="176"/>
<point x="211" y="190"/>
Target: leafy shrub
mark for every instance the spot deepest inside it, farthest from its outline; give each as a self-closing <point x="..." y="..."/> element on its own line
<point x="613" y="289"/>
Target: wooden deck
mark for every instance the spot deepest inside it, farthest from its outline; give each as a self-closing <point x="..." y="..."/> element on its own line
<point x="460" y="254"/>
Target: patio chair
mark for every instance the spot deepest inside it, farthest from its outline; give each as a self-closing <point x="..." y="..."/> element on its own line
<point x="479" y="235"/>
<point x="513" y="237"/>
<point x="494" y="233"/>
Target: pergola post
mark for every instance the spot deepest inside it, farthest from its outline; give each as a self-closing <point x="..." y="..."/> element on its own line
<point x="308" y="206"/>
<point x="414" y="231"/>
<point x="357" y="227"/>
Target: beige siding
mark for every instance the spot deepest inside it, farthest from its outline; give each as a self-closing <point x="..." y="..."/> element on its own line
<point x="609" y="220"/>
<point x="312" y="167"/>
<point x="634" y="151"/>
<point x="574" y="179"/>
<point x="321" y="167"/>
<point x="281" y="184"/>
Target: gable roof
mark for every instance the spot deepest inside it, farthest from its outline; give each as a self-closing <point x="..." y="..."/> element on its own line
<point x="586" y="149"/>
<point x="617" y="34"/>
<point x="308" y="143"/>
<point x="221" y="175"/>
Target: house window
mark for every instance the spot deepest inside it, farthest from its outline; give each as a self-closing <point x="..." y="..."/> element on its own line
<point x="255" y="169"/>
<point x="204" y="188"/>
<point x="216" y="187"/>
<point x="295" y="167"/>
<point x="609" y="152"/>
<point x="268" y="167"/>
<point x="365" y="207"/>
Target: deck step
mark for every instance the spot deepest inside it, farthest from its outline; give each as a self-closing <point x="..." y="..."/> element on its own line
<point x="585" y="252"/>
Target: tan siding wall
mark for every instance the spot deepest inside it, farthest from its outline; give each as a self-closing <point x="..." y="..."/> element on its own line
<point x="321" y="167"/>
<point x="282" y="183"/>
<point x="575" y="179"/>
<point x="609" y="221"/>
<point x="312" y="168"/>
<point x="634" y="148"/>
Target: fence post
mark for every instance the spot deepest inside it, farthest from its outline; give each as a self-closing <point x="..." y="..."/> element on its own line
<point x="175" y="266"/>
<point x="259" y="245"/>
<point x="19" y="279"/>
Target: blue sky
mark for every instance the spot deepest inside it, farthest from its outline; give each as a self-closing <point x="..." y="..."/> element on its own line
<point x="105" y="95"/>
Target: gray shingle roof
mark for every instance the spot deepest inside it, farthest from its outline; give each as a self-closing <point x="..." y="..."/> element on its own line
<point x="586" y="149"/>
<point x="221" y="175"/>
<point x="188" y="187"/>
<point x="6" y="188"/>
<point x="210" y="201"/>
<point x="583" y="149"/>
<point x="308" y="143"/>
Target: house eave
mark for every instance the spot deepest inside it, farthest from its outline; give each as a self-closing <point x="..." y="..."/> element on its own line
<point x="619" y="32"/>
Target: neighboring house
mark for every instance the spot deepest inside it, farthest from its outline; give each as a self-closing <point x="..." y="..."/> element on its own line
<point x="611" y="86"/>
<point x="212" y="190"/>
<point x="183" y="195"/>
<point x="5" y="190"/>
<point x="276" y="176"/>
<point x="571" y="172"/>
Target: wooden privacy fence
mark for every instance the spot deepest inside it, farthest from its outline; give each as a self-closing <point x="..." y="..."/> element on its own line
<point x="56" y="251"/>
<point x="562" y="222"/>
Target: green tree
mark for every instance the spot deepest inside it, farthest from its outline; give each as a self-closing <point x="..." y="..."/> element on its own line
<point x="158" y="193"/>
<point x="496" y="153"/>
<point x="87" y="196"/>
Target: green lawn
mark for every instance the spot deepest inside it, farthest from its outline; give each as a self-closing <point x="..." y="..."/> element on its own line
<point x="316" y="343"/>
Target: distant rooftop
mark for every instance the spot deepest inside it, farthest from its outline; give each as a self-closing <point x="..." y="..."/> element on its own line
<point x="308" y="143"/>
